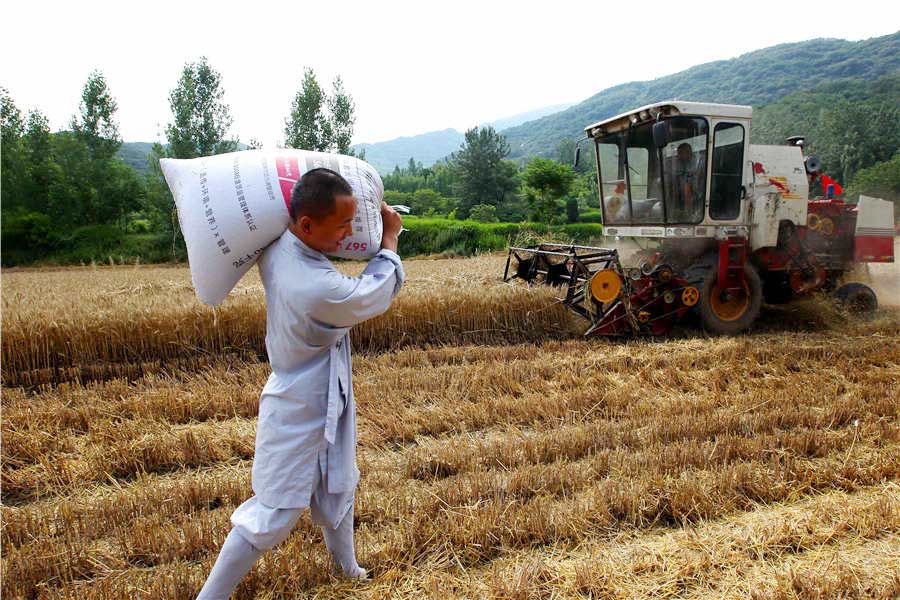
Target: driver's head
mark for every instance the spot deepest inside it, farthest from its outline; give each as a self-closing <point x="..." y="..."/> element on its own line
<point x="322" y="209"/>
<point x="684" y="152"/>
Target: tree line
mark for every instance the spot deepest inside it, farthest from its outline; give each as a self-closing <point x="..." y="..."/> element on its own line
<point x="65" y="188"/>
<point x="480" y="183"/>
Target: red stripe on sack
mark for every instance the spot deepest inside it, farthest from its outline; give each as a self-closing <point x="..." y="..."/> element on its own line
<point x="286" y="187"/>
<point x="288" y="174"/>
<point x="866" y="249"/>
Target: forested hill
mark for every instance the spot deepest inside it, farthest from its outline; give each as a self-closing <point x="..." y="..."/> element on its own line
<point x="425" y="148"/>
<point x="756" y="78"/>
<point x="428" y="148"/>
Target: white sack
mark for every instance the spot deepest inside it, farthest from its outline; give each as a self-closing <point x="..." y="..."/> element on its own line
<point x="231" y="206"/>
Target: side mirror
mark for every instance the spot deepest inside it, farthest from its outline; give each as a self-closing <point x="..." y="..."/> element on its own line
<point x="660" y="134"/>
<point x="577" y="156"/>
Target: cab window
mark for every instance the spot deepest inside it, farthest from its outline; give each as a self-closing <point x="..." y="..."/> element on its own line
<point x="727" y="171"/>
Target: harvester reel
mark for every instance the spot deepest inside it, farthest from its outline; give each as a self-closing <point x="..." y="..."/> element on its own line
<point x="525" y="268"/>
<point x="557" y="274"/>
<point x="617" y="301"/>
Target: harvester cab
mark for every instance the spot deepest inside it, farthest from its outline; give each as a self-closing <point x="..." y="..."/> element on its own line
<point x="722" y="225"/>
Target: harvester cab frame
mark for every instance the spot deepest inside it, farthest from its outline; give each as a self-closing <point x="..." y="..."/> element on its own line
<point x="666" y="169"/>
<point x="726" y="224"/>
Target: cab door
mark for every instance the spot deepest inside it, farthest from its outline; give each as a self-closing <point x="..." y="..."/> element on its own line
<point x="727" y="196"/>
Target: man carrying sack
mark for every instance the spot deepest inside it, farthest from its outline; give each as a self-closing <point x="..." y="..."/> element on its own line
<point x="306" y="433"/>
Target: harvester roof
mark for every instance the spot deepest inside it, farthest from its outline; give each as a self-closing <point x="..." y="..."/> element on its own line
<point x="668" y="108"/>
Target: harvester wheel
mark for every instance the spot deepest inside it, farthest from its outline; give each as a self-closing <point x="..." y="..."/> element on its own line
<point x="857" y="298"/>
<point x="730" y="313"/>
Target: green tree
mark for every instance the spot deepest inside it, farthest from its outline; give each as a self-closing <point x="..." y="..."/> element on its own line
<point x="442" y="178"/>
<point x="546" y="181"/>
<point x="159" y="205"/>
<point x="857" y="135"/>
<point x="41" y="168"/>
<point x="12" y="162"/>
<point x="200" y="123"/>
<point x="95" y="123"/>
<point x="201" y="118"/>
<point x="482" y="176"/>
<point x="342" y="118"/>
<point x="74" y="194"/>
<point x="112" y="189"/>
<point x="319" y="121"/>
<point x="484" y="213"/>
<point x="881" y="180"/>
<point x="565" y="151"/>
<point x="426" y="202"/>
<point x="307" y="127"/>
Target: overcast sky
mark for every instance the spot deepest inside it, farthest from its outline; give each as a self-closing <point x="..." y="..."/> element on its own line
<point x="411" y="67"/>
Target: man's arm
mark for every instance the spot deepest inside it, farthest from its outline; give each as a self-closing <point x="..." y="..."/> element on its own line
<point x="344" y="301"/>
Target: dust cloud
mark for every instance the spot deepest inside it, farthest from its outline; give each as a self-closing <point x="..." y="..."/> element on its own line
<point x="883" y="278"/>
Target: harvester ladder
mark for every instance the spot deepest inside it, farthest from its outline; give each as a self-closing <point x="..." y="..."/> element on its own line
<point x="732" y="256"/>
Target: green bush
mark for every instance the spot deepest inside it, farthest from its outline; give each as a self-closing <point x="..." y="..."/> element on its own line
<point x="102" y="243"/>
<point x="483" y="213"/>
<point x="92" y="243"/>
<point x="27" y="236"/>
<point x="591" y="215"/>
<point x="139" y="226"/>
<point x="464" y="238"/>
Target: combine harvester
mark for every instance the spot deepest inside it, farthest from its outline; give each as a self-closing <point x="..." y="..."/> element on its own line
<point x="726" y="224"/>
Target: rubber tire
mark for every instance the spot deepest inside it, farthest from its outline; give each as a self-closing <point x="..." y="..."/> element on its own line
<point x="857" y="298"/>
<point x="713" y="324"/>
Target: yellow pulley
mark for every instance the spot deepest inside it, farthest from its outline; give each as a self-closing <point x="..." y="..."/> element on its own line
<point x="606" y="285"/>
<point x="690" y="296"/>
<point x="813" y="221"/>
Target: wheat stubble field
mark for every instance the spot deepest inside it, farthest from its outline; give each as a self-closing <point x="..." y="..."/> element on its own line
<point x="502" y="456"/>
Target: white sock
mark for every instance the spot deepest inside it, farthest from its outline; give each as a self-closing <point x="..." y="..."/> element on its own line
<point x="235" y="560"/>
<point x="340" y="544"/>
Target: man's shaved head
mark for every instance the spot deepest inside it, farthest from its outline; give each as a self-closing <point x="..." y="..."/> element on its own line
<point x="314" y="193"/>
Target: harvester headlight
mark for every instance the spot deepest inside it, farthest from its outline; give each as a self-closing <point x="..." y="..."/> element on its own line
<point x="606" y="285"/>
<point x="827" y="226"/>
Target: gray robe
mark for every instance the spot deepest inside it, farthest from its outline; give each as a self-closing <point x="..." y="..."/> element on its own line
<point x="307" y="403"/>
